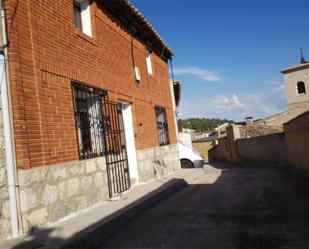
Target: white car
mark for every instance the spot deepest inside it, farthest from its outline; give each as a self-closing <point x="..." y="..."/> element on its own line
<point x="190" y="158"/>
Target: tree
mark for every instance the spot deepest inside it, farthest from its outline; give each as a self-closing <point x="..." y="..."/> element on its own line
<point x="203" y="124"/>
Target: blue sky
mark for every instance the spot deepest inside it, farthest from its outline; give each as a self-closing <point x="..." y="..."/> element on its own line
<point x="229" y="54"/>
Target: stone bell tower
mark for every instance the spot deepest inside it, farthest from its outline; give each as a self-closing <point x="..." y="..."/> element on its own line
<point x="296" y="80"/>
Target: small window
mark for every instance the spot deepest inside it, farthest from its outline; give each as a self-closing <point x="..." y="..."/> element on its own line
<point x="162" y="126"/>
<point x="82" y="18"/>
<point x="301" y="88"/>
<point x="148" y="62"/>
<point x="89" y="120"/>
<point x="78" y="15"/>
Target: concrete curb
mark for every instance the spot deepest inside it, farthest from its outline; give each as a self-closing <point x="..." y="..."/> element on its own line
<point x="96" y="235"/>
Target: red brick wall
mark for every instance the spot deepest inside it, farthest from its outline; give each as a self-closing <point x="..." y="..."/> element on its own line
<point x="46" y="52"/>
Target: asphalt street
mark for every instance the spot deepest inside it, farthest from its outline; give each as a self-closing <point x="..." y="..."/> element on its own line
<point x="229" y="207"/>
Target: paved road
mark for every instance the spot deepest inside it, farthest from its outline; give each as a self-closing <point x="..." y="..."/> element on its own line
<point x="230" y="207"/>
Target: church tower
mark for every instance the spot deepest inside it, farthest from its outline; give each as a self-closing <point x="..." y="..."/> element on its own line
<point x="296" y="80"/>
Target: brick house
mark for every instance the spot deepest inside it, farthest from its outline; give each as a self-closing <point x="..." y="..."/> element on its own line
<point x="91" y="106"/>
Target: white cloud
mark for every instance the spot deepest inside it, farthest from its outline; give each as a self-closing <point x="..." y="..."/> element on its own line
<point x="258" y="105"/>
<point x="279" y="91"/>
<point x="198" y="73"/>
<point x="274" y="82"/>
<point x="222" y="102"/>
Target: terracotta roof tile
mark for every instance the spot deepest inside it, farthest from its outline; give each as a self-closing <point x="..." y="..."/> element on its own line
<point x="259" y="130"/>
<point x="126" y="12"/>
<point x="144" y="20"/>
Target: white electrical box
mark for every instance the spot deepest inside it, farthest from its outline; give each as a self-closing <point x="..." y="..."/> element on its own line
<point x="137" y="74"/>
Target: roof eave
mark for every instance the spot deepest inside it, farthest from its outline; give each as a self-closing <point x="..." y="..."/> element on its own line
<point x="138" y="25"/>
<point x="295" y="68"/>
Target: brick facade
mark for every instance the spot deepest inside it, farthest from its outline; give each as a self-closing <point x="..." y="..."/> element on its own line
<point x="47" y="52"/>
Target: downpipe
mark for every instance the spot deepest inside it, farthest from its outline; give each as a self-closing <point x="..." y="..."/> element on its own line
<point x="8" y="139"/>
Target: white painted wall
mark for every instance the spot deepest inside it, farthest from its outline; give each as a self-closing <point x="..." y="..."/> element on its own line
<point x="130" y="141"/>
<point x="185" y="138"/>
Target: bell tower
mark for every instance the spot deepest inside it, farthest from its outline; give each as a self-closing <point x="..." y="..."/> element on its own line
<point x="296" y="80"/>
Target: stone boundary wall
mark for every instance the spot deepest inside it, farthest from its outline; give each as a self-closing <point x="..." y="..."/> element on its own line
<point x="220" y="151"/>
<point x="264" y="151"/>
<point x="203" y="147"/>
<point x="297" y="141"/>
<point x="5" y="225"/>
<point x="53" y="192"/>
<point x="156" y="162"/>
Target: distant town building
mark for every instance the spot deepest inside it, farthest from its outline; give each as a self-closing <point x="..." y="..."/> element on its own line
<point x="188" y="130"/>
<point x="296" y="80"/>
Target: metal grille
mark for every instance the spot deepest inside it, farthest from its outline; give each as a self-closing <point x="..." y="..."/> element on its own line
<point x="89" y="120"/>
<point x="162" y="126"/>
<point x="115" y="152"/>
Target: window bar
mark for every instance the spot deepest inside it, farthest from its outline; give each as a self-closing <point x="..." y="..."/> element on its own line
<point x="119" y="155"/>
<point x="88" y="137"/>
<point x="114" y="165"/>
<point x="110" y="158"/>
<point x="107" y="139"/>
<point x="83" y="127"/>
<point x="95" y="123"/>
<point x="122" y="166"/>
<point x="109" y="171"/>
<point x="120" y="151"/>
<point x="99" y="126"/>
<point x="91" y="123"/>
<point x="115" y="140"/>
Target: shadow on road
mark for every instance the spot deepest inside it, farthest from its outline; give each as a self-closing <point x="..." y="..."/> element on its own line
<point x="229" y="207"/>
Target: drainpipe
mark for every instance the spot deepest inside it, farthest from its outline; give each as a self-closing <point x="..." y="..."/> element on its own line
<point x="7" y="125"/>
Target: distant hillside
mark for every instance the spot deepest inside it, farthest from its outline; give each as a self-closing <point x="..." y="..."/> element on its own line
<point x="203" y="124"/>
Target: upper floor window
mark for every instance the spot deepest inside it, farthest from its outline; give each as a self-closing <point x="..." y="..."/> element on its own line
<point x="301" y="88"/>
<point x="148" y="62"/>
<point x="162" y="126"/>
<point x="82" y="17"/>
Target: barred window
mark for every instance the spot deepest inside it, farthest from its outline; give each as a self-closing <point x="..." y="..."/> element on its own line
<point x="89" y="120"/>
<point x="162" y="126"/>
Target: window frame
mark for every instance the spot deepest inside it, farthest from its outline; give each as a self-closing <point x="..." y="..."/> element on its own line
<point x="84" y="18"/>
<point x="89" y="123"/>
<point x="149" y="62"/>
<point x="77" y="11"/>
<point x="298" y="88"/>
<point x="162" y="126"/>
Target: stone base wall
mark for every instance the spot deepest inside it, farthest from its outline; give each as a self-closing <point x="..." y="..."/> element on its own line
<point x="52" y="192"/>
<point x="297" y="143"/>
<point x="5" y="225"/>
<point x="156" y="162"/>
<point x="265" y="151"/>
